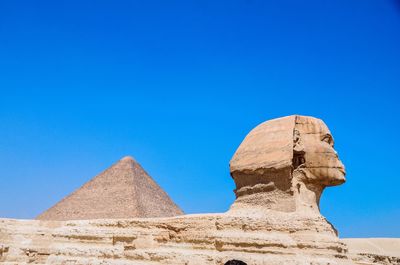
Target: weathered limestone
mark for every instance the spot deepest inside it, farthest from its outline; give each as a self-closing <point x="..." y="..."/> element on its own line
<point x="284" y="165"/>
<point x="194" y="239"/>
<point x="280" y="170"/>
<point x="124" y="190"/>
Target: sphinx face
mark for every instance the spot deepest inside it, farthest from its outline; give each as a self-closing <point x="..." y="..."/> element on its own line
<point x="321" y="159"/>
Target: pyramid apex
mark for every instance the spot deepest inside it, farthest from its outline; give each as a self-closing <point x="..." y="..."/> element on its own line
<point x="128" y="159"/>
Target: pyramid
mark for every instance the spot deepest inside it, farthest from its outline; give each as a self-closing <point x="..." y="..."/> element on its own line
<point x="124" y="190"/>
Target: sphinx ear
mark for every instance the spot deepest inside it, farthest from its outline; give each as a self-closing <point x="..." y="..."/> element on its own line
<point x="298" y="150"/>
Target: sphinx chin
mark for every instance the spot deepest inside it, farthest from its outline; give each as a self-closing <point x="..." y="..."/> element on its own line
<point x="326" y="176"/>
<point x="336" y="176"/>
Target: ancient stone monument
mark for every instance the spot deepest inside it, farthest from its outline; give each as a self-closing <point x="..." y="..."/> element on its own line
<point x="280" y="171"/>
<point x="124" y="190"/>
<point x="285" y="164"/>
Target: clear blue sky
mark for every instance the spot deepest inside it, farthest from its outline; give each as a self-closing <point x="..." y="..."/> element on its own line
<point x="178" y="84"/>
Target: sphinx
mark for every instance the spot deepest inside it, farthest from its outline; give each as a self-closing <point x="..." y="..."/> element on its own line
<point x="284" y="165"/>
<point x="280" y="170"/>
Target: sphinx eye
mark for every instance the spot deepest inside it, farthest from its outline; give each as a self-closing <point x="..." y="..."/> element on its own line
<point x="328" y="139"/>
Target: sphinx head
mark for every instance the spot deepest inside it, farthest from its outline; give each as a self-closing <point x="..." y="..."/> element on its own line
<point x="286" y="163"/>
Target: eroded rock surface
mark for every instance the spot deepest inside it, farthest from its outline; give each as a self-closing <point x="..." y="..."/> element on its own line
<point x="194" y="239"/>
<point x="285" y="164"/>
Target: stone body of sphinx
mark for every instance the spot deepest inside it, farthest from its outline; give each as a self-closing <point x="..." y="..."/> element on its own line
<point x="280" y="170"/>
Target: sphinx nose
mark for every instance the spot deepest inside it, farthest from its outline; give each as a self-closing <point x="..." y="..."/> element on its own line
<point x="336" y="153"/>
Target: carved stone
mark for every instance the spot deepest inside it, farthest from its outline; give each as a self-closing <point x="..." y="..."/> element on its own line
<point x="285" y="164"/>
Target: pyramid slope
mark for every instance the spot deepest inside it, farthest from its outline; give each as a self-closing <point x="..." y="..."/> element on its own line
<point x="124" y="190"/>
